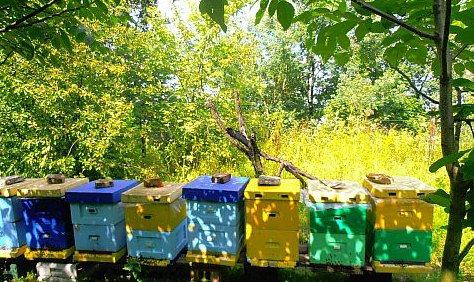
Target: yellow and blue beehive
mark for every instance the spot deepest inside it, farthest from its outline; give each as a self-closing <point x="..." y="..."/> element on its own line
<point x="272" y="223"/>
<point x="155" y="220"/>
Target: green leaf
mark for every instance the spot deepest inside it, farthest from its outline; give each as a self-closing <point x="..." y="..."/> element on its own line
<point x="447" y="160"/>
<point x="465" y="17"/>
<point x="102" y="6"/>
<point x="440" y="198"/>
<point x="261" y="11"/>
<point x="459" y="68"/>
<point x="463" y="110"/>
<point x="435" y="67"/>
<point x="362" y="29"/>
<point x="65" y="40"/>
<point x="417" y="55"/>
<point x="464" y="83"/>
<point x="465" y="36"/>
<point x="215" y="10"/>
<point x="467" y="170"/>
<point x="342" y="6"/>
<point x="56" y="41"/>
<point x="342" y="58"/>
<point x="273" y="7"/>
<point x="344" y="41"/>
<point x="395" y="53"/>
<point x="285" y="14"/>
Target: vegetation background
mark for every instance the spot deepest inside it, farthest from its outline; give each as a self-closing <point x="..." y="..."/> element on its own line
<point x="135" y="106"/>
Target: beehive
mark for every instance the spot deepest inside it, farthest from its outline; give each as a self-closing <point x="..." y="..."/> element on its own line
<point x="155" y="221"/>
<point x="216" y="227"/>
<point x="399" y="225"/>
<point x="272" y="222"/>
<point x="338" y="215"/>
<point x="99" y="219"/>
<point x="48" y="218"/>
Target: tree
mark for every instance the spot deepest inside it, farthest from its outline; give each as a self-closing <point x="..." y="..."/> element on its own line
<point x="411" y="29"/>
<point x="26" y="26"/>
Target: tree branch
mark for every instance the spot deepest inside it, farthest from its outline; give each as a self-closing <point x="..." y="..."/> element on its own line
<point x="6" y="58"/>
<point x="458" y="52"/>
<point x="413" y="86"/>
<point x="216" y="117"/>
<point x="240" y="117"/>
<point x="27" y="17"/>
<point x="395" y="20"/>
<point x="444" y="41"/>
<point x="466" y="249"/>
<point x="48" y="17"/>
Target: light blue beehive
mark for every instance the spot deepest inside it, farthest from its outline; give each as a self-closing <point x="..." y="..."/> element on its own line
<point x="104" y="238"/>
<point x="12" y="234"/>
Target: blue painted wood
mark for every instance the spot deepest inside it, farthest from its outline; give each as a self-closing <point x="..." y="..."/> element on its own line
<point x="45" y="208"/>
<point x="101" y="214"/>
<point x="12" y="234"/>
<point x="50" y="234"/>
<point x="202" y="189"/>
<point x="157" y="245"/>
<point x="87" y="193"/>
<point x="10" y="209"/>
<point x="216" y="238"/>
<point x="106" y="238"/>
<point x="202" y="213"/>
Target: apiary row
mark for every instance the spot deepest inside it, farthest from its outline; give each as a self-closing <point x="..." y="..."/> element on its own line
<point x="215" y="217"/>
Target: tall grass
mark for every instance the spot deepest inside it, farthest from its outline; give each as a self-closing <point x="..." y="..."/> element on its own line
<point x="342" y="151"/>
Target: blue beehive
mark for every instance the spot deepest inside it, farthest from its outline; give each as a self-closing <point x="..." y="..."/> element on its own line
<point x="10" y="209"/>
<point x="203" y="189"/>
<point x="12" y="234"/>
<point x="98" y="216"/>
<point x="157" y="245"/>
<point x="216" y="216"/>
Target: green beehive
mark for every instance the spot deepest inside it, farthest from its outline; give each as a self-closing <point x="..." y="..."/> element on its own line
<point x="400" y="246"/>
<point x="337" y="218"/>
<point x="337" y="249"/>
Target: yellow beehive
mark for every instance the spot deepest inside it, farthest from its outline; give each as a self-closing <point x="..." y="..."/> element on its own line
<point x="42" y="188"/>
<point x="401" y="187"/>
<point x="11" y="190"/>
<point x="273" y="245"/>
<point x="272" y="207"/>
<point x="336" y="192"/>
<point x="154" y="208"/>
<point x="400" y="214"/>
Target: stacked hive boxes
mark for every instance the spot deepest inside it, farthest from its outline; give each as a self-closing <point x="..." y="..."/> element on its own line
<point x="272" y="223"/>
<point x="338" y="214"/>
<point x="155" y="217"/>
<point x="399" y="225"/>
<point x="12" y="224"/>
<point x="98" y="219"/>
<point x="216" y="217"/>
<point x="47" y="216"/>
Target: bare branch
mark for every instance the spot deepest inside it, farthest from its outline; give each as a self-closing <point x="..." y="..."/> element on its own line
<point x="216" y="117"/>
<point x="240" y="117"/>
<point x="395" y="20"/>
<point x="15" y="24"/>
<point x="413" y="86"/>
<point x="53" y="15"/>
<point x="466" y="250"/>
<point x="280" y="169"/>
<point x="458" y="52"/>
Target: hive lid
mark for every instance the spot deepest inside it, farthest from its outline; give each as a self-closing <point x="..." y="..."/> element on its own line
<point x="41" y="188"/>
<point x="203" y="189"/>
<point x="94" y="192"/>
<point x="168" y="193"/>
<point x="10" y="190"/>
<point x="343" y="191"/>
<point x="288" y="190"/>
<point x="401" y="187"/>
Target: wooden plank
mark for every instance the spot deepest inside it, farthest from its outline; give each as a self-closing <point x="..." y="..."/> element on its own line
<point x="402" y="187"/>
<point x="43" y="189"/>
<point x="12" y="253"/>
<point x="337" y="192"/>
<point x="48" y="254"/>
<point x="99" y="257"/>
<point x="11" y="190"/>
<point x="141" y="194"/>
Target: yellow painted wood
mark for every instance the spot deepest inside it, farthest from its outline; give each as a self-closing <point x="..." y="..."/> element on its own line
<point x="40" y="253"/>
<point x="141" y="194"/>
<point x="271" y="214"/>
<point x="155" y="216"/>
<point x="213" y="258"/>
<point x="289" y="190"/>
<point x="341" y="191"/>
<point x="12" y="253"/>
<point x="11" y="190"/>
<point x="402" y="187"/>
<point x="152" y="262"/>
<point x="401" y="268"/>
<point x="43" y="189"/>
<point x="395" y="213"/>
<point x="270" y="263"/>
<point x="272" y="245"/>
<point x="99" y="257"/>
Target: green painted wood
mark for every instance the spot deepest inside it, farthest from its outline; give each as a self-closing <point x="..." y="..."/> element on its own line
<point x="337" y="249"/>
<point x="401" y="246"/>
<point x="337" y="218"/>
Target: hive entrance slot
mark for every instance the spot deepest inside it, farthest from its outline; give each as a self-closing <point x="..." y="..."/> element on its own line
<point x="156" y="199"/>
<point x="284" y="196"/>
<point x="420" y="194"/>
<point x="92" y="210"/>
<point x="147" y="216"/>
<point x="272" y="215"/>
<point x="392" y="194"/>
<point x="258" y="196"/>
